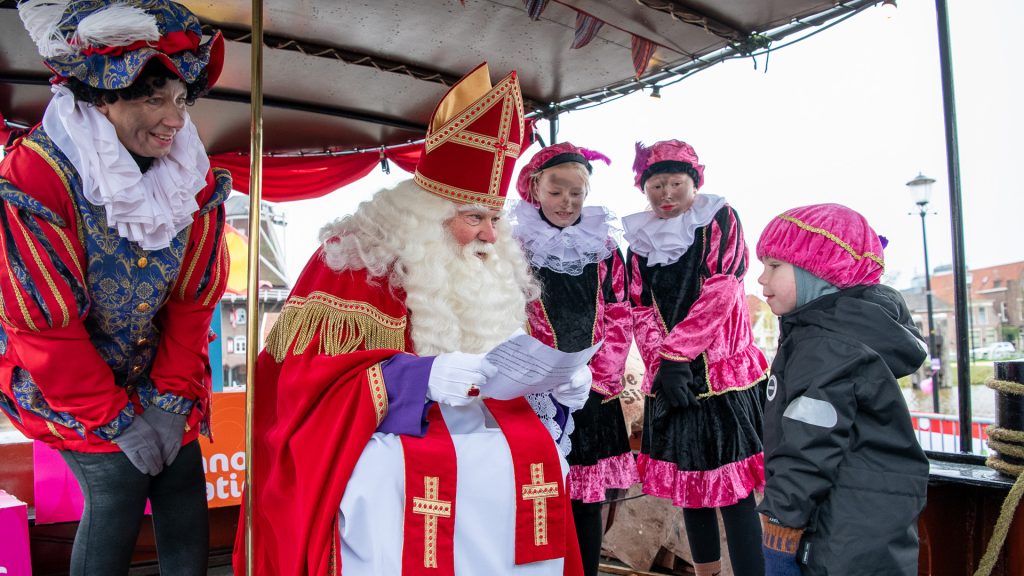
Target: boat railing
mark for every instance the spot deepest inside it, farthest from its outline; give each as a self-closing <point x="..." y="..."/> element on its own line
<point x="941" y="432"/>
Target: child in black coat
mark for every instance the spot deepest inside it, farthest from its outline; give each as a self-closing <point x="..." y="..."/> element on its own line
<point x="845" y="475"/>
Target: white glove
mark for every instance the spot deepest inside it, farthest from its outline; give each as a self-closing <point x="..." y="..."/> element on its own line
<point x="574" y="393"/>
<point x="456" y="378"/>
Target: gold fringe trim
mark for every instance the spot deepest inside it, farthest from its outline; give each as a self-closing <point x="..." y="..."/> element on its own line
<point x="1005" y="386"/>
<point x="344" y="326"/>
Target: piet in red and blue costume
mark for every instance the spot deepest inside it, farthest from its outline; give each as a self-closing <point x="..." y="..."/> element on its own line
<point x="686" y="287"/>
<point x="96" y="322"/>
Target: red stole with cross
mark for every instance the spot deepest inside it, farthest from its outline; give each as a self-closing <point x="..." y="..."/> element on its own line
<point x="430" y="470"/>
<point x="430" y="482"/>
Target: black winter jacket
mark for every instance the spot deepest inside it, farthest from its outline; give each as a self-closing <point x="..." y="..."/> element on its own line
<point x="841" y="457"/>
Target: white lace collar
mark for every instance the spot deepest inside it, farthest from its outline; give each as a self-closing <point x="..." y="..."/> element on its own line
<point x="664" y="241"/>
<point x="149" y="209"/>
<point x="564" y="250"/>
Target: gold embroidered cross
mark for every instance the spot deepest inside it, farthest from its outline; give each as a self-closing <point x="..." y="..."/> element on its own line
<point x="430" y="508"/>
<point x="539" y="491"/>
<point x="500" y="146"/>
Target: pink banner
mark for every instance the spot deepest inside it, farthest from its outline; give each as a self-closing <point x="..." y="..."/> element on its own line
<point x="14" y="554"/>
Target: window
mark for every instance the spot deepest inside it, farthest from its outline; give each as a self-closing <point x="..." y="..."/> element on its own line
<point x="239" y="344"/>
<point x="982" y="315"/>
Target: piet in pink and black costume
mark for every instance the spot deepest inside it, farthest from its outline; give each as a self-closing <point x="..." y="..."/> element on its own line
<point x="686" y="288"/>
<point x="583" y="302"/>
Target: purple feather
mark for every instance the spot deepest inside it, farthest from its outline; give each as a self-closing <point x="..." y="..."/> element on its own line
<point x="642" y="154"/>
<point x="595" y="155"/>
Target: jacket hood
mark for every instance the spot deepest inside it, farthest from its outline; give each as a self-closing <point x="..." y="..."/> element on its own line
<point x="876" y="316"/>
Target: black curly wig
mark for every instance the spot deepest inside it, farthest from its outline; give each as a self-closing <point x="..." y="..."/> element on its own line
<point x="154" y="75"/>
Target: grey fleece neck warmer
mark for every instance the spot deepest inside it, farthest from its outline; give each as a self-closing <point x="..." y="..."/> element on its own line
<point x="809" y="287"/>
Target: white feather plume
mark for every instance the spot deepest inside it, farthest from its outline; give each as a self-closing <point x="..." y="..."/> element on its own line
<point x="116" y="25"/>
<point x="41" y="19"/>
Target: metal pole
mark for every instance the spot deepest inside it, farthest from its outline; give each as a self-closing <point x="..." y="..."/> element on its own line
<point x="928" y="298"/>
<point x="553" y="125"/>
<point x="252" y="286"/>
<point x="956" y="212"/>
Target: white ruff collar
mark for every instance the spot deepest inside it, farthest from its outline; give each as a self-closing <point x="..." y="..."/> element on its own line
<point x="149" y="209"/>
<point x="664" y="241"/>
<point x="564" y="250"/>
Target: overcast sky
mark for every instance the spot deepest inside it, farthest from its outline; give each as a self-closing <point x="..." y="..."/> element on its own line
<point x="849" y="115"/>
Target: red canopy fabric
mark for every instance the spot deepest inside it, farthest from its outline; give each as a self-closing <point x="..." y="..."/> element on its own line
<point x="287" y="178"/>
<point x="300" y="177"/>
<point x="297" y="177"/>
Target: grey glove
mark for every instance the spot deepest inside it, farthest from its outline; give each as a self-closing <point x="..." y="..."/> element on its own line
<point x="169" y="427"/>
<point x="141" y="444"/>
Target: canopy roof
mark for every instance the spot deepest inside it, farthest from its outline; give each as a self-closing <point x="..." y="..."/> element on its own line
<point x="359" y="75"/>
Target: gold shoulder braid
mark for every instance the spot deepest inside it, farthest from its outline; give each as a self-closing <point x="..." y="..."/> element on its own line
<point x="344" y="326"/>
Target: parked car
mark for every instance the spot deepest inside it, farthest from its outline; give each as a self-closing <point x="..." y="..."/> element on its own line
<point x="995" y="351"/>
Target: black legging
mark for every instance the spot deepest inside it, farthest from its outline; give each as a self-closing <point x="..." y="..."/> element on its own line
<point x="589" y="531"/>
<point x="742" y="533"/>
<point x="115" y="499"/>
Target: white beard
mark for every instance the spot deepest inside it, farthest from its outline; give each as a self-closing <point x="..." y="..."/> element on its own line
<point x="458" y="302"/>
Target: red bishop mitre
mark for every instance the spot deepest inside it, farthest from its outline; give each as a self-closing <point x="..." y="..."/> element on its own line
<point x="474" y="138"/>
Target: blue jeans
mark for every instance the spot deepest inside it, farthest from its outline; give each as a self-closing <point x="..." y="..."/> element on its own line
<point x="115" y="501"/>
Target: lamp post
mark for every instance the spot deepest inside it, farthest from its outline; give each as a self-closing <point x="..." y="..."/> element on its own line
<point x="921" y="191"/>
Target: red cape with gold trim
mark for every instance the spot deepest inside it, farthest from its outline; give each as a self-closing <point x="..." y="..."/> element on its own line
<point x="316" y="408"/>
<point x="314" y="413"/>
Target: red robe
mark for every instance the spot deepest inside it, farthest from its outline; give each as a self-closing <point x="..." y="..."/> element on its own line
<point x="315" y="410"/>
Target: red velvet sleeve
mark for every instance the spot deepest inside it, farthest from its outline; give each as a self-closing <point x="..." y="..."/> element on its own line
<point x="43" y="308"/>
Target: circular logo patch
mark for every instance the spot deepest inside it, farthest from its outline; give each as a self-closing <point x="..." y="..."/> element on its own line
<point x="773" y="387"/>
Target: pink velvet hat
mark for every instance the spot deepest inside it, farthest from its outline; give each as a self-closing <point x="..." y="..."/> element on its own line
<point x="830" y="241"/>
<point x="667" y="156"/>
<point x="554" y="155"/>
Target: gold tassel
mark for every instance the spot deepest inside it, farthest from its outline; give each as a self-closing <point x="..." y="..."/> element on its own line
<point x="344" y="326"/>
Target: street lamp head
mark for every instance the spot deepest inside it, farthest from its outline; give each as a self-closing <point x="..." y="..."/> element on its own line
<point x="921" y="189"/>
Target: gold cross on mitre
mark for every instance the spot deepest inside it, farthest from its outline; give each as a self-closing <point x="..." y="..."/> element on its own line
<point x="473" y="140"/>
<point x="431" y="508"/>
<point x="539" y="491"/>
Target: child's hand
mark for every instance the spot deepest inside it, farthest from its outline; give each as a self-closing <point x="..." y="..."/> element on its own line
<point x="675" y="381"/>
<point x="779" y="545"/>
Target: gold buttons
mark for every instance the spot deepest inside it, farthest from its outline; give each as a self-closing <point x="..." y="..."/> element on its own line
<point x="144" y="307"/>
<point x="137" y="368"/>
<point x="142" y="341"/>
<point x="143" y="262"/>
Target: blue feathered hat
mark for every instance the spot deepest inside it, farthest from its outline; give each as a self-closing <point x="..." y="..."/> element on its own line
<point x="106" y="44"/>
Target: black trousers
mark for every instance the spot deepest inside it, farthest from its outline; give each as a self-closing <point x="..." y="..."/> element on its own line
<point x="742" y="534"/>
<point x="115" y="501"/>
